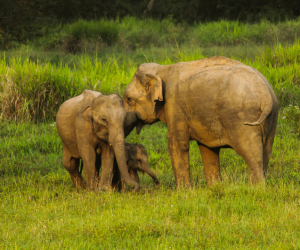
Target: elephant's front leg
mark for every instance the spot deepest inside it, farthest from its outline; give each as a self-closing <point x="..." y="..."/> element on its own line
<point x="89" y="159"/>
<point x="178" y="143"/>
<point x="211" y="162"/>
<point x="107" y="158"/>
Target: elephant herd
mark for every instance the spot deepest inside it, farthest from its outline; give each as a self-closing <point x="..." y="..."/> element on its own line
<point x="217" y="101"/>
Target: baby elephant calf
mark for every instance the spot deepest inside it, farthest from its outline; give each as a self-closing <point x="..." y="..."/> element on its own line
<point x="137" y="160"/>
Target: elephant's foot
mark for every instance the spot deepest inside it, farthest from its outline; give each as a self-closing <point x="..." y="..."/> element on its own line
<point x="184" y="184"/>
<point x="78" y="182"/>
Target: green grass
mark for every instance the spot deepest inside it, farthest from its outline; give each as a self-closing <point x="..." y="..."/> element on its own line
<point x="40" y="208"/>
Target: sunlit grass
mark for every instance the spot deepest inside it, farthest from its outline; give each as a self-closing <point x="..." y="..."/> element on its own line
<point x="41" y="209"/>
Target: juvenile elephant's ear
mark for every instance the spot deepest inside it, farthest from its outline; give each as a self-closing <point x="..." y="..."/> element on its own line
<point x="86" y="114"/>
<point x="155" y="87"/>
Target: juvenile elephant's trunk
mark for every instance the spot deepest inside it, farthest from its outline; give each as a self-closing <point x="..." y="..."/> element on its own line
<point x="149" y="172"/>
<point x="118" y="143"/>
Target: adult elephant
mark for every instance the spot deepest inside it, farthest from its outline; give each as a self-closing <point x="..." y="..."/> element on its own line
<point x="91" y="128"/>
<point x="217" y="101"/>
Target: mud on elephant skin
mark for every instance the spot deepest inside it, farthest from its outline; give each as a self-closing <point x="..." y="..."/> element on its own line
<point x="89" y="124"/>
<point x="218" y="102"/>
<point x="137" y="161"/>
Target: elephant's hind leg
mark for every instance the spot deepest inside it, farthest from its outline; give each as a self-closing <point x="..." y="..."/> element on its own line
<point x="211" y="162"/>
<point x="72" y="165"/>
<point x="251" y="149"/>
<point x="268" y="146"/>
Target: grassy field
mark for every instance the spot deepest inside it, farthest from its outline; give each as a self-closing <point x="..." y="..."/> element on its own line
<point x="39" y="207"/>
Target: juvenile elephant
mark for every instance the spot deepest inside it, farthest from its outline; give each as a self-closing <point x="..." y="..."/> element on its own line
<point x="219" y="102"/>
<point x="137" y="160"/>
<point x="89" y="125"/>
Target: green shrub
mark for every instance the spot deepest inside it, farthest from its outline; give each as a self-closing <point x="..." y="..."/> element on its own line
<point x="131" y="33"/>
<point x="103" y="29"/>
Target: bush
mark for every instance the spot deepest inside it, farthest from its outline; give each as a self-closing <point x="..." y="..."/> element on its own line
<point x="132" y="33"/>
<point x="108" y="31"/>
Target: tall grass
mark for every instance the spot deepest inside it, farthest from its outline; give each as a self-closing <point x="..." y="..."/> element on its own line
<point x="34" y="91"/>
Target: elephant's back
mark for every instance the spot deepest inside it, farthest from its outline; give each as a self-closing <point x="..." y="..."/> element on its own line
<point x="69" y="111"/>
<point x="65" y="119"/>
<point x="220" y="96"/>
<point x="73" y="106"/>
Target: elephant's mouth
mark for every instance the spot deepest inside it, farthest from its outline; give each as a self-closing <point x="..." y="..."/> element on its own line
<point x="149" y="121"/>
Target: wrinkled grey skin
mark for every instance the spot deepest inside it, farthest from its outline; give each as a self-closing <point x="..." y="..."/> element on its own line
<point x="91" y="128"/>
<point x="218" y="102"/>
<point x="137" y="160"/>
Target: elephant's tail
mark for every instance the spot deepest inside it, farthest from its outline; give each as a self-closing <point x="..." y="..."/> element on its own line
<point x="266" y="107"/>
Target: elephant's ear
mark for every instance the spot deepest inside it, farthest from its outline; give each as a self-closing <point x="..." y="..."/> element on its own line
<point x="86" y="114"/>
<point x="155" y="88"/>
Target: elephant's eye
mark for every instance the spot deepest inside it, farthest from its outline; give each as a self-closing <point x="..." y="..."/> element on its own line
<point x="130" y="101"/>
<point x="104" y="120"/>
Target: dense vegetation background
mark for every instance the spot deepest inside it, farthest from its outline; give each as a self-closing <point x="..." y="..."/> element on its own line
<point x="23" y="19"/>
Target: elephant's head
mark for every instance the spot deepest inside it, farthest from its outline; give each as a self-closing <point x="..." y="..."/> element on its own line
<point x="143" y="97"/>
<point x="106" y="117"/>
<point x="137" y="160"/>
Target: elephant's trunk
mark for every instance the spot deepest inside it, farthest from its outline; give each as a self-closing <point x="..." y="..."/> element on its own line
<point x="149" y="172"/>
<point x="129" y="123"/>
<point x="118" y="143"/>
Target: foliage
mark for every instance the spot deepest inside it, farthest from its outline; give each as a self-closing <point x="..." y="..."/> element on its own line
<point x="31" y="91"/>
<point x="103" y="29"/>
<point x="131" y="33"/>
<point x="25" y="19"/>
<point x="34" y="91"/>
<point x="40" y="209"/>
